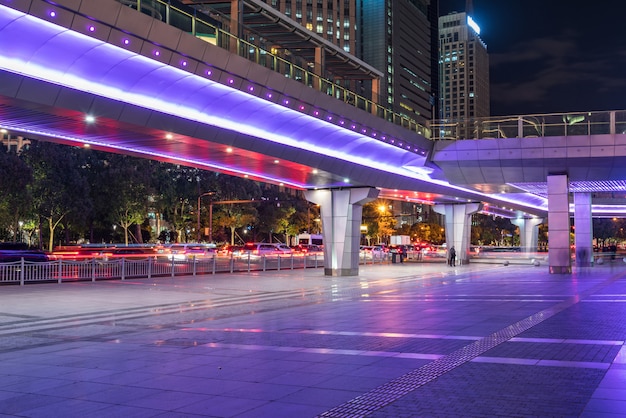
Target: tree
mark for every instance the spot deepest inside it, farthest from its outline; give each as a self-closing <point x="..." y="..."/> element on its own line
<point x="59" y="186"/>
<point x="379" y="221"/>
<point x="234" y="216"/>
<point x="15" y="197"/>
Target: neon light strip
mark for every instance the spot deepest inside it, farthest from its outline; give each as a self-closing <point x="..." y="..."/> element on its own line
<point x="92" y="142"/>
<point x="24" y="66"/>
<point x="64" y="78"/>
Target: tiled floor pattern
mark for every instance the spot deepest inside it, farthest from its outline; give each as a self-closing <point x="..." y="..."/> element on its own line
<point x="412" y="340"/>
<point x="386" y="394"/>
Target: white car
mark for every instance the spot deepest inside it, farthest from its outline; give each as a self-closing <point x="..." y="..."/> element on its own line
<point x="372" y="251"/>
<point x="260" y="249"/>
<point x="189" y="251"/>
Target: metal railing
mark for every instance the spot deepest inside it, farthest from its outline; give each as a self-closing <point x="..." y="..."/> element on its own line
<point x="532" y="126"/>
<point x="203" y="29"/>
<point x="122" y="268"/>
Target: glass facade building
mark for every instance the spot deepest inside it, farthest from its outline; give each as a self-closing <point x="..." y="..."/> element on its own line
<point x="463" y="69"/>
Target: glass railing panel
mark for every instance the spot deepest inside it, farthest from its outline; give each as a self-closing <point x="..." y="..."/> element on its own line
<point x="206" y="32"/>
<point x="600" y="123"/>
<point x="180" y="20"/>
<point x="210" y="33"/>
<point x="620" y="122"/>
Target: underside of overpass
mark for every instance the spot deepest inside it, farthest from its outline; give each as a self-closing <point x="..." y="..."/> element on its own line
<point x="81" y="83"/>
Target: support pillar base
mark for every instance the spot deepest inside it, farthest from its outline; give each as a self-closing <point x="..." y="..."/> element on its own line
<point x="560" y="269"/>
<point x="341" y="272"/>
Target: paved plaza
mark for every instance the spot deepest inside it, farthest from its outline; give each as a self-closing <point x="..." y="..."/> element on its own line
<point x="399" y="340"/>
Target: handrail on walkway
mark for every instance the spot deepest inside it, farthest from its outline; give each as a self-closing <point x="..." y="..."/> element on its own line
<point x="531" y="126"/>
<point x="128" y="267"/>
<point x="211" y="33"/>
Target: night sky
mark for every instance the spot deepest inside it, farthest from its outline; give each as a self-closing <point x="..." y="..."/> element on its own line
<point x="551" y="56"/>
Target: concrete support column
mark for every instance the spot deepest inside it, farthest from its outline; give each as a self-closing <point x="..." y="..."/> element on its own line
<point x="558" y="225"/>
<point x="583" y="229"/>
<point x="341" y="211"/>
<point x="528" y="233"/>
<point x="457" y="218"/>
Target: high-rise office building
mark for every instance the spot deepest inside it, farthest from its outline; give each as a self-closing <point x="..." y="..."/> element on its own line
<point x="332" y="20"/>
<point x="398" y="37"/>
<point x="463" y="69"/>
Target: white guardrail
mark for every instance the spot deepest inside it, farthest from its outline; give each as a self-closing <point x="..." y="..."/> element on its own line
<point x="92" y="269"/>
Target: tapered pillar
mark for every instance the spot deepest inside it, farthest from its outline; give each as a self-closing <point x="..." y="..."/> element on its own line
<point x="341" y="211"/>
<point x="528" y="233"/>
<point x="457" y="218"/>
<point x="583" y="229"/>
<point x="558" y="225"/>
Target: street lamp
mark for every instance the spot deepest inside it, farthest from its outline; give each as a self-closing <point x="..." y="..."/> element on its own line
<point x="210" y="215"/>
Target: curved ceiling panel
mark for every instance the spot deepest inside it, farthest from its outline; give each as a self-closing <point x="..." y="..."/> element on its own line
<point x="141" y="81"/>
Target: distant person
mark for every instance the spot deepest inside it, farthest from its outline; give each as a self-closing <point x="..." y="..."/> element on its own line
<point x="452" y="256"/>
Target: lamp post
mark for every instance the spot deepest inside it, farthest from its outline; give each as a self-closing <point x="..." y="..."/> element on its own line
<point x="210" y="216"/>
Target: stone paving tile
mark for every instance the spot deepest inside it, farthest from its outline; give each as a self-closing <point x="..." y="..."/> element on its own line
<point x="362" y="343"/>
<point x="296" y="343"/>
<point x="585" y="320"/>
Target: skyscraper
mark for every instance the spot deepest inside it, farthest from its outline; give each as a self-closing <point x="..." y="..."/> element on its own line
<point x="398" y="37"/>
<point x="463" y="69"/>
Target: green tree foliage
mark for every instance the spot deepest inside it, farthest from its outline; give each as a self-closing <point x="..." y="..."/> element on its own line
<point x="60" y="189"/>
<point x="301" y="220"/>
<point x="379" y="221"/>
<point x="429" y="232"/>
<point x="275" y="216"/>
<point x="492" y="230"/>
<point x="234" y="216"/>
<point x="15" y="197"/>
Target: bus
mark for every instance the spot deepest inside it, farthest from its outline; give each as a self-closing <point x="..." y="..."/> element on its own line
<point x="310" y="239"/>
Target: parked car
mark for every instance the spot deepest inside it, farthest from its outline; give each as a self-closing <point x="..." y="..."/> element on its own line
<point x="231" y="251"/>
<point x="372" y="251"/>
<point x="308" y="248"/>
